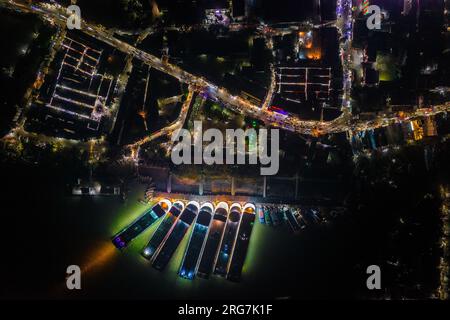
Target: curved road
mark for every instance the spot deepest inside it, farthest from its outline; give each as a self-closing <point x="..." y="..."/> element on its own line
<point x="58" y="15"/>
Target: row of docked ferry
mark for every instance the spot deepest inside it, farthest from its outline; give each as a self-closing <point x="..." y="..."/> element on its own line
<point x="218" y="242"/>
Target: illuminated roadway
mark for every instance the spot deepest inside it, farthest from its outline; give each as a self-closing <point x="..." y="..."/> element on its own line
<point x="58" y="15"/>
<point x="177" y="124"/>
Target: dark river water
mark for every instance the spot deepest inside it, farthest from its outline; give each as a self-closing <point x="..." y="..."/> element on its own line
<point x="44" y="231"/>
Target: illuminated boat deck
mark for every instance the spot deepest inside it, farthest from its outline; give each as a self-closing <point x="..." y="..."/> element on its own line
<point x="197" y="242"/>
<point x="228" y="240"/>
<point x="218" y="240"/>
<point x="128" y="234"/>
<point x="163" y="230"/>
<point x="242" y="242"/>
<point x="215" y="235"/>
<point x="174" y="237"/>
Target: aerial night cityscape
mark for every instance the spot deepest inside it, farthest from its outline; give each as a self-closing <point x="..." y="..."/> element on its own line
<point x="208" y="150"/>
